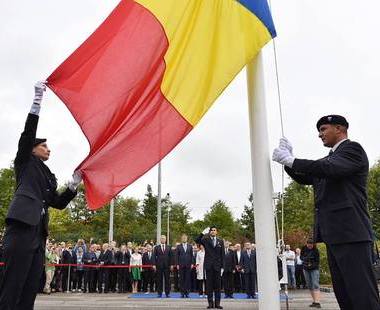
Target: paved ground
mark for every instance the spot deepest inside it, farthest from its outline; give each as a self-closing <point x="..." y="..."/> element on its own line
<point x="62" y="301"/>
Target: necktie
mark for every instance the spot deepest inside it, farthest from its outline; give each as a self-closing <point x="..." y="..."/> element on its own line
<point x="149" y="255"/>
<point x="185" y="247"/>
<point x="163" y="248"/>
<point x="214" y="241"/>
<point x="331" y="152"/>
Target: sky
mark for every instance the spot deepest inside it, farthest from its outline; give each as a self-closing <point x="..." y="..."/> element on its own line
<point x="328" y="64"/>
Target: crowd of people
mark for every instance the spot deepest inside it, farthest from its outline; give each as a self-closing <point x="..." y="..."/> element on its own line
<point x="148" y="268"/>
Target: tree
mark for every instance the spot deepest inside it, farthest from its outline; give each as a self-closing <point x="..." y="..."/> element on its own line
<point x="7" y="186"/>
<point x="221" y="216"/>
<point x="149" y="206"/>
<point x="247" y="220"/>
<point x="374" y="197"/>
<point x="179" y="220"/>
<point x="79" y="211"/>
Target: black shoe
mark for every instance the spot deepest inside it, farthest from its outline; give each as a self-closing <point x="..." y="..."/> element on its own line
<point x="210" y="305"/>
<point x="217" y="305"/>
<point x="315" y="305"/>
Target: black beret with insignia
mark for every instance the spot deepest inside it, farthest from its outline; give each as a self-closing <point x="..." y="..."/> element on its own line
<point x="332" y="120"/>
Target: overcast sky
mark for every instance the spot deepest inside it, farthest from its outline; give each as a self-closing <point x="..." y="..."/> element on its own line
<point x="328" y="54"/>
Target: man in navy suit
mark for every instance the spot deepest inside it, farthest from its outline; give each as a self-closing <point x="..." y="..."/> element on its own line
<point x="229" y="269"/>
<point x="249" y="269"/>
<point x="149" y="269"/>
<point x="342" y="220"/>
<point x="184" y="265"/>
<point x="28" y="214"/>
<point x="213" y="265"/>
<point x="162" y="258"/>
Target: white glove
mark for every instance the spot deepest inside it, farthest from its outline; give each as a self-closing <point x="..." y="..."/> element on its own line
<point x="39" y="89"/>
<point x="285" y="144"/>
<point x="74" y="183"/>
<point x="206" y="231"/>
<point x="283" y="157"/>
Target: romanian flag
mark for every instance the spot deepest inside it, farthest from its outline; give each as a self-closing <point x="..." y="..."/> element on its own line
<point x="141" y="82"/>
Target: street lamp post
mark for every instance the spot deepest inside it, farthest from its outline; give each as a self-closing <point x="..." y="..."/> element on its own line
<point x="167" y="202"/>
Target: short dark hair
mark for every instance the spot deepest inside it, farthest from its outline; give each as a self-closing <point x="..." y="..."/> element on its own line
<point x="310" y="241"/>
<point x="213" y="226"/>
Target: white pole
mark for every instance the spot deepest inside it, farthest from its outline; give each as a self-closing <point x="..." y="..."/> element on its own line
<point x="168" y="228"/>
<point x="159" y="205"/>
<point x="110" y="231"/>
<point x="262" y="189"/>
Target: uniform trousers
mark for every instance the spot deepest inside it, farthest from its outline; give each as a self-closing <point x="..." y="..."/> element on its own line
<point x="352" y="275"/>
<point x="213" y="284"/>
<point x="24" y="257"/>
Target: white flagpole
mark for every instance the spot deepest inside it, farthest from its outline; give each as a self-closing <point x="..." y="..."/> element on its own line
<point x="268" y="288"/>
<point x="159" y="205"/>
<point x="110" y="231"/>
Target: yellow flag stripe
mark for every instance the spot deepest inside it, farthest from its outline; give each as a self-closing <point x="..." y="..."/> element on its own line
<point x="210" y="41"/>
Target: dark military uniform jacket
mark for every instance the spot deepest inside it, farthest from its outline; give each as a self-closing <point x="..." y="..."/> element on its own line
<point x="340" y="189"/>
<point x="36" y="189"/>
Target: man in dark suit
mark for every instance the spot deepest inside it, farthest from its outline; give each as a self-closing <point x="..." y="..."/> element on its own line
<point x="238" y="278"/>
<point x="90" y="258"/>
<point x="68" y="272"/>
<point x="123" y="258"/>
<point x="162" y="257"/>
<point x="213" y="264"/>
<point x="27" y="219"/>
<point x="229" y="269"/>
<point x="249" y="269"/>
<point x="341" y="215"/>
<point x="184" y="254"/>
<point x="105" y="259"/>
<point x="148" y="272"/>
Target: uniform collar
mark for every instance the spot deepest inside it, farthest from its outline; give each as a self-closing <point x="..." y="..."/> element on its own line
<point x="337" y="144"/>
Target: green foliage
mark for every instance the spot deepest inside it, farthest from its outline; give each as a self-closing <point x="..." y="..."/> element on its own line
<point x="247" y="220"/>
<point x="7" y="188"/>
<point x="374" y="197"/>
<point x="221" y="216"/>
<point x="298" y="208"/>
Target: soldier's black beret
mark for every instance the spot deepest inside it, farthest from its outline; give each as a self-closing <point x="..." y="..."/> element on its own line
<point x="39" y="141"/>
<point x="332" y="120"/>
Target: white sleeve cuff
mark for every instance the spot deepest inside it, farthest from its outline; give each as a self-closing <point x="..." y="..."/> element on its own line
<point x="35" y="109"/>
<point x="289" y="161"/>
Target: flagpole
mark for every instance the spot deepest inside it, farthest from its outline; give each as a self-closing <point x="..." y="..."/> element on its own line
<point x="110" y="231"/>
<point x="159" y="205"/>
<point x="268" y="286"/>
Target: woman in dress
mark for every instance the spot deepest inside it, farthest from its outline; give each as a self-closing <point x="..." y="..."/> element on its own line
<point x="136" y="260"/>
<point x="201" y="277"/>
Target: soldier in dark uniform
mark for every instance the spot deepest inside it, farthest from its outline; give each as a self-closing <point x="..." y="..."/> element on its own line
<point x="213" y="264"/>
<point x="28" y="217"/>
<point x="341" y="215"/>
